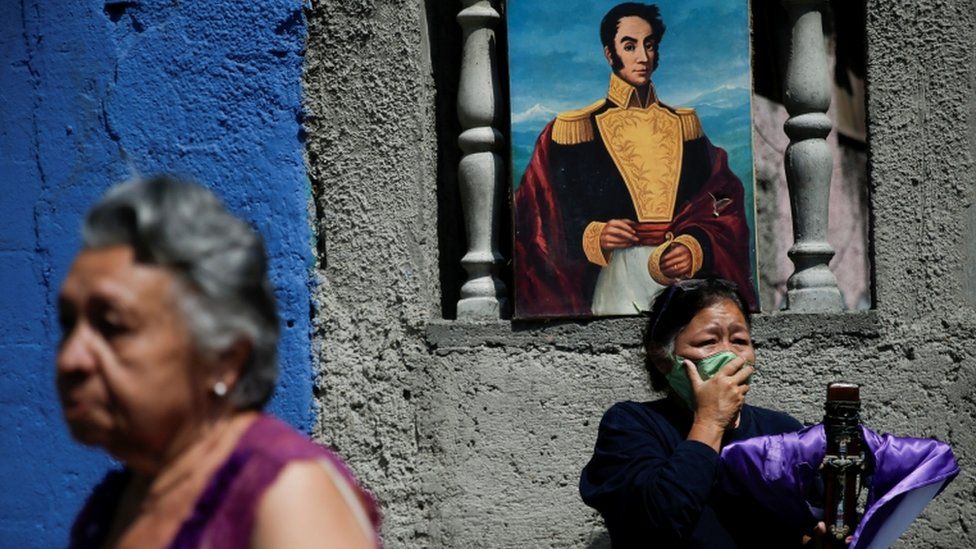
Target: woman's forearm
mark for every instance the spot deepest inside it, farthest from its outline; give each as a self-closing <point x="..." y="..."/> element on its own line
<point x="707" y="433"/>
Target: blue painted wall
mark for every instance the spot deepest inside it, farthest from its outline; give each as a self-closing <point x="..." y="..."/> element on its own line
<point x="92" y="92"/>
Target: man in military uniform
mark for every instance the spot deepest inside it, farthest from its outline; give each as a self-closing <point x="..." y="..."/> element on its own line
<point x="626" y="195"/>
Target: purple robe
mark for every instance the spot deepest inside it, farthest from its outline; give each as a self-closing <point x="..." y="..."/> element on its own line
<point x="780" y="470"/>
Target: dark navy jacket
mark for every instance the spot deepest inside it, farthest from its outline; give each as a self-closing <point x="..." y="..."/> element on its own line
<point x="656" y="489"/>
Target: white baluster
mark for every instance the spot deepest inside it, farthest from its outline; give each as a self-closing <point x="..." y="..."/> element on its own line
<point x="481" y="170"/>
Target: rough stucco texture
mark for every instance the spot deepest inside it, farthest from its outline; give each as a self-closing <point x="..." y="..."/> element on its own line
<point x="371" y="161"/>
<point x="474" y="435"/>
<point x="93" y="93"/>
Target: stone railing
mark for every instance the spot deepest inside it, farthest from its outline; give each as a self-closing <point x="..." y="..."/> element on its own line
<point x="811" y="289"/>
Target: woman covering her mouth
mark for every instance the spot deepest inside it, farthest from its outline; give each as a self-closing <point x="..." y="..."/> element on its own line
<point x="654" y="469"/>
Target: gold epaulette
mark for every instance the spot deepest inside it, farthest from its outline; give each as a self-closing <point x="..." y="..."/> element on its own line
<point x="690" y="125"/>
<point x="574" y="127"/>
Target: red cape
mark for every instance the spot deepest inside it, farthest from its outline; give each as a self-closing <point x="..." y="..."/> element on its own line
<point x="552" y="282"/>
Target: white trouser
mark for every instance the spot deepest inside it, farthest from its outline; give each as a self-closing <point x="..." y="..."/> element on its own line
<point x="624" y="287"/>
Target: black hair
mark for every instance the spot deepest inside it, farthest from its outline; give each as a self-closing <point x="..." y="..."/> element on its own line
<point x="672" y="310"/>
<point x="648" y="12"/>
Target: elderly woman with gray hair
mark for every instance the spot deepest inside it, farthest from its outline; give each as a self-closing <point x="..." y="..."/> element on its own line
<point x="168" y="355"/>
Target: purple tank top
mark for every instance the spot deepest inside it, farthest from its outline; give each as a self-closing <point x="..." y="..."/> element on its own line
<point x="224" y="514"/>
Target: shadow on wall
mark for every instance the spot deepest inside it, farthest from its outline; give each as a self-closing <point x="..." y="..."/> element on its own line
<point x="599" y="541"/>
<point x="445" y="54"/>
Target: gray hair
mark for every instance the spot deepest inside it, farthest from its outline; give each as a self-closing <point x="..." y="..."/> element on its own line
<point x="218" y="259"/>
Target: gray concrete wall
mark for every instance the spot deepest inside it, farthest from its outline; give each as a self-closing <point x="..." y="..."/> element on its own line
<point x="371" y="153"/>
<point x="473" y="435"/>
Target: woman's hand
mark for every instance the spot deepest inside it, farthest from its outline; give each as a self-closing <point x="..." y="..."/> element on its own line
<point x="618" y="233"/>
<point x="815" y="539"/>
<point x="718" y="400"/>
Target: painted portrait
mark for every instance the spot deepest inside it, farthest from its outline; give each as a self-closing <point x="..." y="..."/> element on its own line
<point x="631" y="152"/>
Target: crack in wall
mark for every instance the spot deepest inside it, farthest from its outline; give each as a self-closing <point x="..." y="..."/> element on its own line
<point x="33" y="40"/>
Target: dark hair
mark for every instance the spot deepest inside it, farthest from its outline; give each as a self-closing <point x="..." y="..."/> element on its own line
<point x="611" y="21"/>
<point x="672" y="310"/>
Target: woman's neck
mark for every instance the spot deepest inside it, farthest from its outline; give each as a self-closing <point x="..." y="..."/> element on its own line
<point x="193" y="445"/>
<point x="158" y="498"/>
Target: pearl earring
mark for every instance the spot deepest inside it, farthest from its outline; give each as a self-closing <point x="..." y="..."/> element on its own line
<point x="220" y="389"/>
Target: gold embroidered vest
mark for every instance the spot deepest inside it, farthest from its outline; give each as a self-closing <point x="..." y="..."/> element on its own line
<point x="644" y="139"/>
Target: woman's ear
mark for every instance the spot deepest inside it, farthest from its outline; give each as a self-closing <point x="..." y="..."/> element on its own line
<point x="661" y="361"/>
<point x="231" y="361"/>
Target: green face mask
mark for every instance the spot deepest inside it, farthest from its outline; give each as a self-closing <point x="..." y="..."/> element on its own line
<point x="707" y="367"/>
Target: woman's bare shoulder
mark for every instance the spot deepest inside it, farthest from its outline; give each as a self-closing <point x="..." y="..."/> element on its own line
<point x="311" y="505"/>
